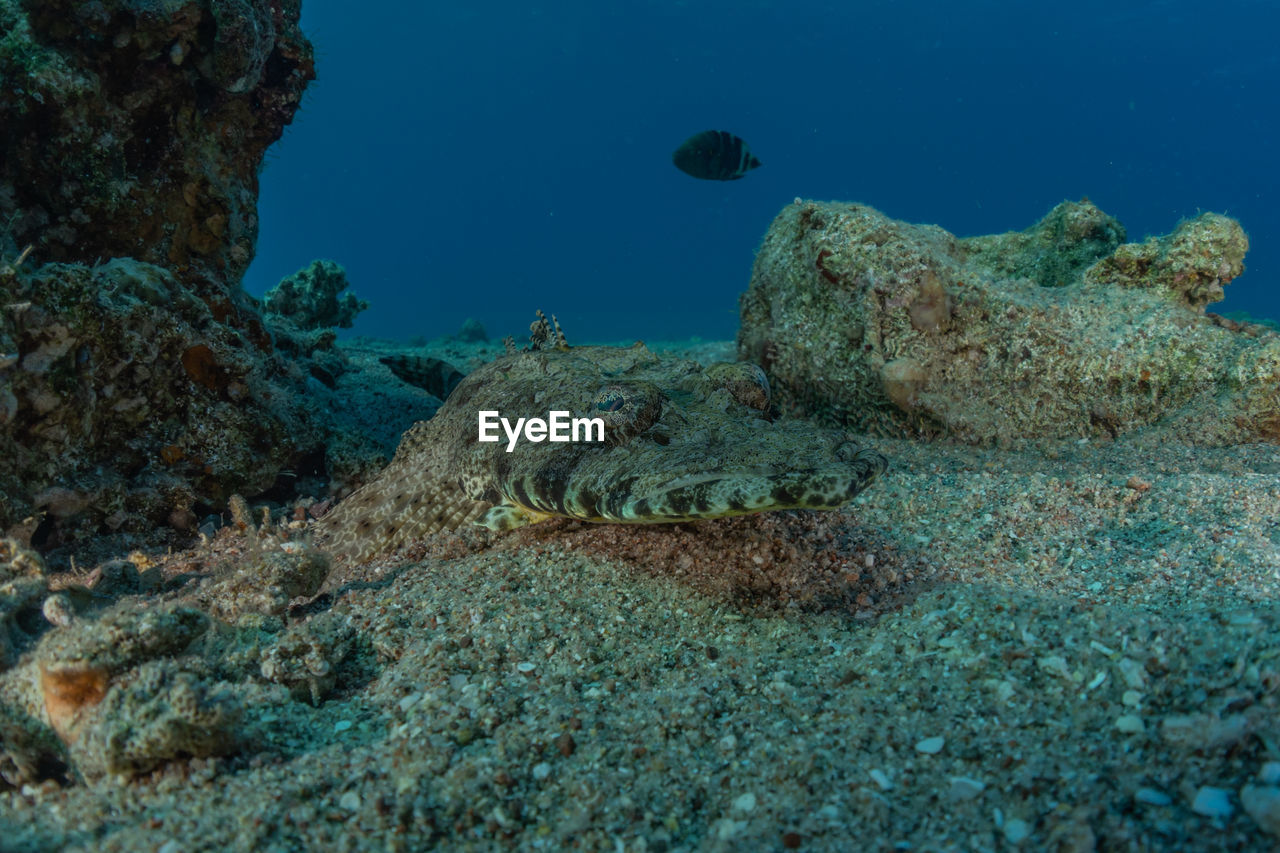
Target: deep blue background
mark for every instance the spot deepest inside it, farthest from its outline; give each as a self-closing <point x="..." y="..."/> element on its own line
<point x="465" y="159"/>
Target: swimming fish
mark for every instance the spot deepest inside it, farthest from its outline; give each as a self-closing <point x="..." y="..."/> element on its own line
<point x="714" y="155"/>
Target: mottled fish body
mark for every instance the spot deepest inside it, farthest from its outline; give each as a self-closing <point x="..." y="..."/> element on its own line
<point x="714" y="155"/>
<point x="681" y="442"/>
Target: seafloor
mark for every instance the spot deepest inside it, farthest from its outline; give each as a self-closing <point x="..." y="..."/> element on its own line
<point x="1070" y="646"/>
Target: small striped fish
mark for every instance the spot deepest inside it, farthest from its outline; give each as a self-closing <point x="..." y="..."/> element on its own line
<point x="714" y="155"/>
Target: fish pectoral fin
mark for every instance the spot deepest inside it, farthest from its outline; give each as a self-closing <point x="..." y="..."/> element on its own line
<point x="509" y="517"/>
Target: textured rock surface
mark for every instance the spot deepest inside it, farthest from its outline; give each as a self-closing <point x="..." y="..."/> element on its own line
<point x="310" y="298"/>
<point x="23" y="588"/>
<point x="161" y="712"/>
<point x="145" y="673"/>
<point x="136" y="129"/>
<point x="1061" y="330"/>
<point x="127" y="402"/>
<point x="140" y="386"/>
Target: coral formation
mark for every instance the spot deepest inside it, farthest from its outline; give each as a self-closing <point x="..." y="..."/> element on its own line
<point x="1192" y="264"/>
<point x="161" y="712"/>
<point x="305" y="657"/>
<point x="1060" y="330"/>
<point x="121" y="638"/>
<point x="127" y="402"/>
<point x="472" y="331"/>
<point x="136" y="129"/>
<point x="89" y="668"/>
<point x="22" y="591"/>
<point x="309" y="298"/>
<point x="162" y="671"/>
<point x="1055" y="251"/>
<point x="139" y="384"/>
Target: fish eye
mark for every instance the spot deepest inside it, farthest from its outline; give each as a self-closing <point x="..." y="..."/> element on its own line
<point x="745" y="382"/>
<point x="610" y="400"/>
<point x="627" y="409"/>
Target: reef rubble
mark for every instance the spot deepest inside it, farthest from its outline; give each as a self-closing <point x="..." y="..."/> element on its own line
<point x="140" y="385"/>
<point x="137" y="129"/>
<point x="1061" y="330"/>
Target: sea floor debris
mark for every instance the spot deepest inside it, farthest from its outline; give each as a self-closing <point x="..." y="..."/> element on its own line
<point x="1047" y="659"/>
<point x="1062" y="330"/>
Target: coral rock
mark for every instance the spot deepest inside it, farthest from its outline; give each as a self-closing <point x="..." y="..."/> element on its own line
<point x="1061" y="330"/>
<point x="131" y="401"/>
<point x="22" y="590"/>
<point x="310" y="299"/>
<point x="160" y="713"/>
<point x="69" y="693"/>
<point x="139" y="128"/>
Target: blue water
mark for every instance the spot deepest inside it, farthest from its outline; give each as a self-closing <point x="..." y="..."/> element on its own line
<point x="465" y="159"/>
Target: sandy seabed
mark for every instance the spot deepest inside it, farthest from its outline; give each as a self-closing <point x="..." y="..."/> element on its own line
<point x="1071" y="646"/>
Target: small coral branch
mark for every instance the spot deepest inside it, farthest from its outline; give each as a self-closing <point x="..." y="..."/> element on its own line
<point x="310" y="299"/>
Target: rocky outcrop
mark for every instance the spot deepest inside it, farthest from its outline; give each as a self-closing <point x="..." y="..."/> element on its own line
<point x="133" y="128"/>
<point x="1061" y="330"/>
<point x="140" y="386"/>
<point x="125" y="403"/>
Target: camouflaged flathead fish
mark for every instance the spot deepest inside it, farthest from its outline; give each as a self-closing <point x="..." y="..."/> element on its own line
<point x="682" y="442"/>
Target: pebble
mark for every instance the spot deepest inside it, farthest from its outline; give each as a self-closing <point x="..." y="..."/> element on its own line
<point x="350" y="801"/>
<point x="1016" y="830"/>
<point x="1130" y="724"/>
<point x="541" y="770"/>
<point x="1205" y="731"/>
<point x="878" y="776"/>
<point x="1212" y="802"/>
<point x="1152" y="797"/>
<point x="745" y="803"/>
<point x="1262" y="803"/>
<point x="1055" y="664"/>
<point x="1133" y="673"/>
<point x="963" y="788"/>
<point x="930" y="745"/>
<point x="526" y="667"/>
<point x="341" y="726"/>
<point x="1270" y="773"/>
<point x="58" y="610"/>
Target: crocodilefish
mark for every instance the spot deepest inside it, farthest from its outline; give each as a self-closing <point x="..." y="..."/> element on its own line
<point x="681" y="442"/>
